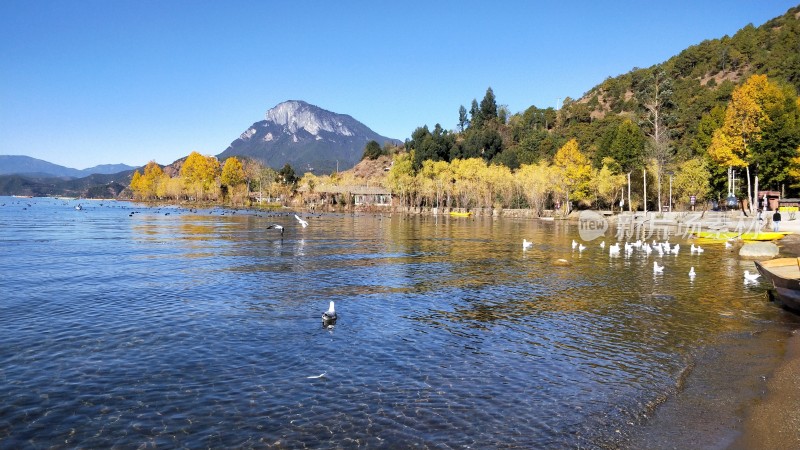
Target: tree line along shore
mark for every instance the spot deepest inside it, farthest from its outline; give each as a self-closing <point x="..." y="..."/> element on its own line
<point x="497" y="161"/>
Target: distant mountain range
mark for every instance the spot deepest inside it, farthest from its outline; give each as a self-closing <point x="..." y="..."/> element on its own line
<point x="294" y="132"/>
<point x="23" y="175"/>
<point x="32" y="167"/>
<point x="307" y="137"/>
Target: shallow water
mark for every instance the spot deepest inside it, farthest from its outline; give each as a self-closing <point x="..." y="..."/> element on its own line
<point x="125" y="325"/>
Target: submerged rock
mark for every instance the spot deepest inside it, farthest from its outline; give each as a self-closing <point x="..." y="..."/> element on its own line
<point x="758" y="250"/>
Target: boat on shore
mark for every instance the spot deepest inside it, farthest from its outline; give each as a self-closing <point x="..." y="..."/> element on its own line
<point x="745" y="236"/>
<point x="784" y="275"/>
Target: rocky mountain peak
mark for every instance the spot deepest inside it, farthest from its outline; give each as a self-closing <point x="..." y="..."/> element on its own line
<point x="294" y="115"/>
<point x="307" y="137"/>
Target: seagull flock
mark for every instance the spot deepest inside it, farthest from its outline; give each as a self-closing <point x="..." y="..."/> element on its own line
<point x="660" y="248"/>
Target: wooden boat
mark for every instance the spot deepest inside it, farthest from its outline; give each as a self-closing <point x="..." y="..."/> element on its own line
<point x="460" y="214"/>
<point x="784" y="275"/>
<point x="748" y="236"/>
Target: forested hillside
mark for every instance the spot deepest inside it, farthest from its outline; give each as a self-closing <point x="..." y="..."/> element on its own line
<point x="694" y="118"/>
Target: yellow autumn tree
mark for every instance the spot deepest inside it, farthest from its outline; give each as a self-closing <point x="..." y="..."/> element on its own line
<point x="200" y="174"/>
<point x="233" y="179"/>
<point x="468" y="187"/>
<point x="401" y="177"/>
<point x="575" y="172"/>
<point x="151" y="180"/>
<point x="536" y="182"/>
<point x="499" y="182"/>
<point x="693" y="179"/>
<point x="148" y="185"/>
<point x="608" y="182"/>
<point x="430" y="182"/>
<point x="174" y="188"/>
<point x="232" y="172"/>
<point x="136" y="185"/>
<point x="745" y="117"/>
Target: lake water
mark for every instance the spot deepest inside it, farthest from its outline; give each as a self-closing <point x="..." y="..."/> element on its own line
<point x="123" y="325"/>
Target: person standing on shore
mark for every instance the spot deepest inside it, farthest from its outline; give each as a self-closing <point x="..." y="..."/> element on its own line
<point x="776" y="221"/>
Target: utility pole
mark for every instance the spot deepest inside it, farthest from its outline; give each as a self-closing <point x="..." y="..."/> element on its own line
<point x="670" y="192"/>
<point x="630" y="208"/>
<point x="644" y="177"/>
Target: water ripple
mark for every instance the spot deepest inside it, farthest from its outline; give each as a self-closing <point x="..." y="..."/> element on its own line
<point x="202" y="329"/>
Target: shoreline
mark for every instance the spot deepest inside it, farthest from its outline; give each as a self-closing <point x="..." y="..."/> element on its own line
<point x="774" y="422"/>
<point x="724" y="405"/>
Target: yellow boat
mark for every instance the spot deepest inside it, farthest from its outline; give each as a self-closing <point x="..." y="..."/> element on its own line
<point x="460" y="214"/>
<point x="748" y="236"/>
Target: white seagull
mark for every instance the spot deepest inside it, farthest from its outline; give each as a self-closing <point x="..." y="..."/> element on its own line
<point x="613" y="249"/>
<point x="329" y="316"/>
<point x="657" y="268"/>
<point x="526" y="244"/>
<point x="603" y="244"/>
<point x="692" y="273"/>
<point x="302" y="222"/>
<point x="574" y="244"/>
<point x="750" y="276"/>
<point x="581" y="247"/>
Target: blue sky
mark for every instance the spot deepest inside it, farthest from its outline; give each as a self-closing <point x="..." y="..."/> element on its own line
<point x="89" y="82"/>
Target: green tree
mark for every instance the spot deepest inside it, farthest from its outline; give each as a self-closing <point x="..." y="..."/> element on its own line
<point x="477" y="143"/>
<point x="286" y="175"/>
<point x="745" y="118"/>
<point x="372" y="150"/>
<point x="428" y="145"/>
<point x="700" y="143"/>
<point x="709" y="123"/>
<point x="627" y="146"/>
<point x="780" y="138"/>
<point x="476" y="118"/>
<point x="463" y="121"/>
<point x="489" y="105"/>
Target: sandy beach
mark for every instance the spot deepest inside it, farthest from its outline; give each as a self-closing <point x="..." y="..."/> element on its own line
<point x="774" y="422"/>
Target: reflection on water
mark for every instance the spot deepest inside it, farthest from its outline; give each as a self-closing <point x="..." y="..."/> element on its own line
<point x="202" y="329"/>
